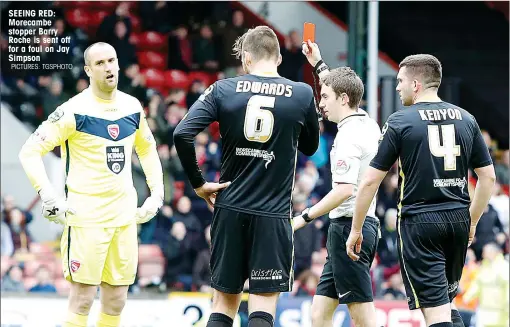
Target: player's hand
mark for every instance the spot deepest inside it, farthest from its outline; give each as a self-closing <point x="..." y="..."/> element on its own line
<point x="354" y="244"/>
<point x="313" y="56"/>
<point x="472" y="232"/>
<point x="298" y="222"/>
<point x="54" y="208"/>
<point x="208" y="191"/>
<point x="149" y="209"/>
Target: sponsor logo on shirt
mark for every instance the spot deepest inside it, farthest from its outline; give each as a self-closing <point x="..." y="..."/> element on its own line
<point x="451" y="182"/>
<point x="341" y="167"/>
<point x="56" y="115"/>
<point x="256" y="153"/>
<point x="115" y="158"/>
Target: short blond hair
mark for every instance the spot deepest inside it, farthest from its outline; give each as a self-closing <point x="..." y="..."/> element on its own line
<point x="261" y="42"/>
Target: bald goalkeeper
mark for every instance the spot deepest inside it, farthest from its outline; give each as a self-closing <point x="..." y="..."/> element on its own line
<point x="97" y="130"/>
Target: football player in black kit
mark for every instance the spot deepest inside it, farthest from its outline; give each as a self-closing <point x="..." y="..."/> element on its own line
<point x="264" y="120"/>
<point x="436" y="143"/>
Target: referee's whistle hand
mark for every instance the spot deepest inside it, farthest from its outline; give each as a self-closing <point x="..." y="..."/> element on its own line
<point x="353" y="245"/>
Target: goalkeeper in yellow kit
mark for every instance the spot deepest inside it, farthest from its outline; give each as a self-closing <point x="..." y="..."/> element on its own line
<point x="97" y="130"/>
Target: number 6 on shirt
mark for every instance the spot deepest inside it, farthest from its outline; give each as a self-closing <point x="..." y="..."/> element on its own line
<point x="258" y="122"/>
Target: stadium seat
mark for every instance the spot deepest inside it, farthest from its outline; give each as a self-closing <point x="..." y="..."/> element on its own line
<point x="153" y="78"/>
<point x="151" y="270"/>
<point x="134" y="39"/>
<point x="178" y="190"/>
<point x="201" y="76"/>
<point x="150" y="253"/>
<point x="40" y="248"/>
<point x="151" y="59"/>
<point x="29" y="282"/>
<point x="135" y="23"/>
<point x="152" y="41"/>
<point x="97" y="17"/>
<point x="176" y="79"/>
<point x="78" y="18"/>
<point x="32" y="266"/>
<point x="63" y="286"/>
<point x="104" y="5"/>
<point x="58" y="269"/>
<point x="5" y="264"/>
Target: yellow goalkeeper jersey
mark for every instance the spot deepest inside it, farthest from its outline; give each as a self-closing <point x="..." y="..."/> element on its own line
<point x="97" y="138"/>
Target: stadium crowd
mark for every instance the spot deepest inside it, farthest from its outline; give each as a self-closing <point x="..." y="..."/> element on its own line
<point x="168" y="54"/>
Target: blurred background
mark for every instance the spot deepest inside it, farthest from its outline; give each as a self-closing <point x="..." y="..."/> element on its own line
<point x="169" y="53"/>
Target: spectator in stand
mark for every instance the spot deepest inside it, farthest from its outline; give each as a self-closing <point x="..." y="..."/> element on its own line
<point x="120" y="41"/>
<point x="488" y="230"/>
<point x="395" y="290"/>
<point x="7" y="246"/>
<point x="107" y="26"/>
<point x="157" y="16"/>
<point x="292" y="57"/>
<point x="195" y="91"/>
<point x="132" y="82"/>
<point x="307" y="240"/>
<point x="229" y="34"/>
<point x="13" y="280"/>
<point x="201" y="269"/>
<point x="502" y="168"/>
<point x="308" y="282"/>
<point x="387" y="195"/>
<point x="81" y="85"/>
<point x="45" y="283"/>
<point x="500" y="203"/>
<point x="491" y="288"/>
<point x="180" y="52"/>
<point x="469" y="272"/>
<point x="387" y="248"/>
<point x="19" y="233"/>
<point x="53" y="96"/>
<point x="184" y="214"/>
<point x="178" y="251"/>
<point x="204" y="51"/>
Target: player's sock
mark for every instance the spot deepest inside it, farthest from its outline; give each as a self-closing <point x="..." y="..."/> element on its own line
<point x="219" y="320"/>
<point x="260" y="319"/>
<point x="457" y="319"/>
<point x="442" y="324"/>
<point x="75" y="320"/>
<point x="108" y="321"/>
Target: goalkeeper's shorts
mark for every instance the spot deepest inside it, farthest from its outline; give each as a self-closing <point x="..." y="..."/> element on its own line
<point x="91" y="255"/>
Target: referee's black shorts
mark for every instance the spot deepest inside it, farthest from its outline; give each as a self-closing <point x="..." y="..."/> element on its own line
<point x="251" y="246"/>
<point x="432" y="249"/>
<point x="342" y="278"/>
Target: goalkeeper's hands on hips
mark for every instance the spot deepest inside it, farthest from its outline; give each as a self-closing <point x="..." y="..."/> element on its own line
<point x="54" y="208"/>
<point x="149" y="209"/>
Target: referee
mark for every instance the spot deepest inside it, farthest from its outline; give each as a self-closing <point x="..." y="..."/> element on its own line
<point x="342" y="281"/>
<point x="436" y="143"/>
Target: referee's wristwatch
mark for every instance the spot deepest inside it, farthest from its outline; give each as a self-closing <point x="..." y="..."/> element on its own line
<point x="305" y="216"/>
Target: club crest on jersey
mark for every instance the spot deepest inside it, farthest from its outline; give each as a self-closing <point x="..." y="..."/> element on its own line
<point x="115" y="158"/>
<point x="75" y="265"/>
<point x="113" y="130"/>
<point x="341" y="167"/>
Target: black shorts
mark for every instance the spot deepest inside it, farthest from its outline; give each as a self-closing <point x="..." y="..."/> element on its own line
<point x="251" y="246"/>
<point x="342" y="278"/>
<point x="432" y="249"/>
